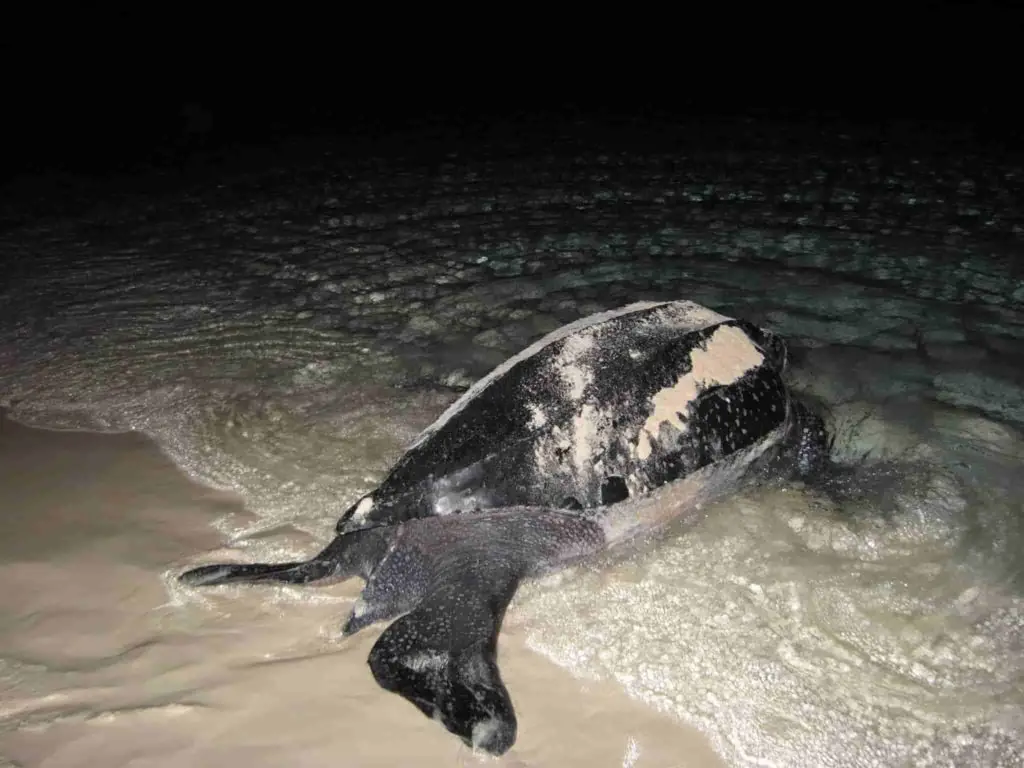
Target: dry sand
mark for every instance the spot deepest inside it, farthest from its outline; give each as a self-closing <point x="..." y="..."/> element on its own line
<point x="102" y="665"/>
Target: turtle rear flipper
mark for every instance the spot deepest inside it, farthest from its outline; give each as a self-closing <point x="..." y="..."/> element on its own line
<point x="442" y="657"/>
<point x="452" y="578"/>
<point x="234" y="573"/>
<point x="351" y="554"/>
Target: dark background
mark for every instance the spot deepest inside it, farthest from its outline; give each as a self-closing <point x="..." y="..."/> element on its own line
<point x="103" y="94"/>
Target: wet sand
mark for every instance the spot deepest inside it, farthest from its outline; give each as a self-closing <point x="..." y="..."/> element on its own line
<point x="103" y="663"/>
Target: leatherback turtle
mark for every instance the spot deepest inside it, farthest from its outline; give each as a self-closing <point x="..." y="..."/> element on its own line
<point x="602" y="431"/>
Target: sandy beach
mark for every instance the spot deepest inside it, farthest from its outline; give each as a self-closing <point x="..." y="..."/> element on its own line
<point x="107" y="667"/>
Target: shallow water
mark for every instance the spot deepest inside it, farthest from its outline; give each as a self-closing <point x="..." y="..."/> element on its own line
<point x="282" y="336"/>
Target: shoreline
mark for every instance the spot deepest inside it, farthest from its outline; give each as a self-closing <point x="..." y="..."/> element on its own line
<point x="104" y="668"/>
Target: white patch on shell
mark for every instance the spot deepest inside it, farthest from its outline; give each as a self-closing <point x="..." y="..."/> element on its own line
<point x="557" y="440"/>
<point x="586" y="437"/>
<point x="571" y="364"/>
<point x="725" y="357"/>
<point x="363" y="509"/>
<point x="682" y="315"/>
<point x="537" y="416"/>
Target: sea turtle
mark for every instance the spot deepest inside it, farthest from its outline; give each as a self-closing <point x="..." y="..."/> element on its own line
<point x="601" y="431"/>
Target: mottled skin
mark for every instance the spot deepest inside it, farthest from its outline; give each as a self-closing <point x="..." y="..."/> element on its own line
<point x="556" y="455"/>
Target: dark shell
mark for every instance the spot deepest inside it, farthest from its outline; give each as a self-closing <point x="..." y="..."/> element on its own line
<point x="611" y="406"/>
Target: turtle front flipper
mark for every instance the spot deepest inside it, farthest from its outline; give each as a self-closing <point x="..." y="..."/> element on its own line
<point x="812" y="445"/>
<point x="453" y="578"/>
<point x="350" y="554"/>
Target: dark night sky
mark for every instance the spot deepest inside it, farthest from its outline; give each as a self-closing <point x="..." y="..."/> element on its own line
<point x="107" y="95"/>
